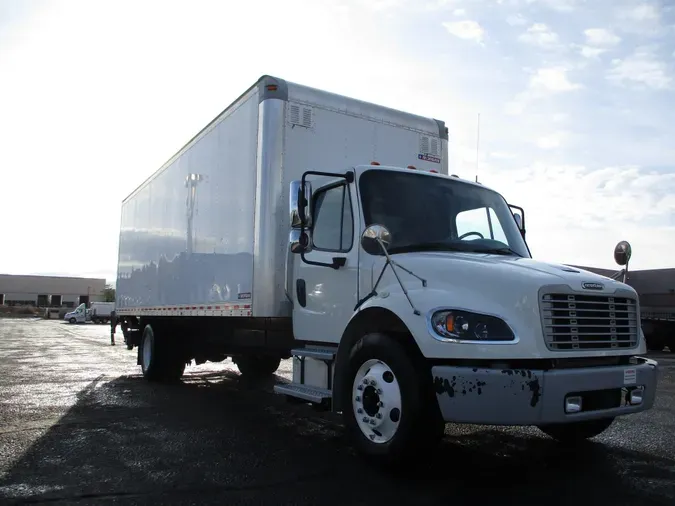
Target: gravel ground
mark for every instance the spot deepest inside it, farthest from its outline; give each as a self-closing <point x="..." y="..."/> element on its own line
<point x="79" y="425"/>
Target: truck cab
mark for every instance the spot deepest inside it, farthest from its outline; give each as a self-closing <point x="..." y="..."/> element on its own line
<point x="79" y="315"/>
<point x="419" y="303"/>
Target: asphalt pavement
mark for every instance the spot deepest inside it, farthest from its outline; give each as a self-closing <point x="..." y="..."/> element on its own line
<point x="79" y="425"/>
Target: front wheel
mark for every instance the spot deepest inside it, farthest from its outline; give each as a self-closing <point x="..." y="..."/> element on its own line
<point x="390" y="411"/>
<point x="576" y="431"/>
<point x="72" y="320"/>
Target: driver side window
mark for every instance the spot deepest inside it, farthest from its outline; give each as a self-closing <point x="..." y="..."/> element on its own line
<point x="476" y="220"/>
<point x="333" y="220"/>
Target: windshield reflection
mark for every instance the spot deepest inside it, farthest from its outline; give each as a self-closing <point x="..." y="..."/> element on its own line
<point x="426" y="213"/>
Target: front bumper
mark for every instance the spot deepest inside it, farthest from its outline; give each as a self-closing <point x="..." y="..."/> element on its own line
<point x="538" y="397"/>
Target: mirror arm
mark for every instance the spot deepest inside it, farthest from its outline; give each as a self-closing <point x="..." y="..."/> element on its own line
<point x="335" y="264"/>
<point x="391" y="263"/>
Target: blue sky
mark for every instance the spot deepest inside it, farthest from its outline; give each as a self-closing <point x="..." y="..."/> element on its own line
<point x="575" y="97"/>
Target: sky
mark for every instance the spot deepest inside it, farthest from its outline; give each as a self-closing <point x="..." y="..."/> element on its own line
<point x="576" y="102"/>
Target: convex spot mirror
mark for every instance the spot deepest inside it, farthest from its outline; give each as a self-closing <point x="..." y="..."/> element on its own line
<point x="519" y="220"/>
<point x="622" y="253"/>
<point x="374" y="238"/>
<point x="300" y="204"/>
<point x="299" y="241"/>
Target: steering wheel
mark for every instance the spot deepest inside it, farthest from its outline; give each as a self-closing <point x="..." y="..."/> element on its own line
<point x="471" y="233"/>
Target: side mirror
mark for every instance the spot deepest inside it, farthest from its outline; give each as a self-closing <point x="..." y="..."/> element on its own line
<point x="622" y="253"/>
<point x="519" y="217"/>
<point x="300" y="204"/>
<point x="375" y="239"/>
<point x="299" y="242"/>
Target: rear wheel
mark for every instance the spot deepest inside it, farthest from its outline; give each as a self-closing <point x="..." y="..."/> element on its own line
<point x="390" y="411"/>
<point x="576" y="431"/>
<point x="257" y="366"/>
<point x="158" y="359"/>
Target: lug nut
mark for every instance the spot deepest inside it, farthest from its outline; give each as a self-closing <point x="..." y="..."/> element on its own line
<point x="379" y="391"/>
<point x="365" y="419"/>
<point x="380" y="404"/>
<point x="372" y="421"/>
<point x="378" y="416"/>
<point x="359" y="411"/>
<point x="365" y="381"/>
<point x="360" y="387"/>
<point x="358" y="398"/>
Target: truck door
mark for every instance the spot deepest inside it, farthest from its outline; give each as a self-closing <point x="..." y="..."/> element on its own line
<point x="324" y="297"/>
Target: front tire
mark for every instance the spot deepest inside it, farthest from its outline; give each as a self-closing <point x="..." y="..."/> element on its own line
<point x="72" y="321"/>
<point x="159" y="360"/>
<point x="575" y="432"/>
<point x="389" y="409"/>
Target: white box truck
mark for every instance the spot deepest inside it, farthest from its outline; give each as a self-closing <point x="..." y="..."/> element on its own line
<point x="304" y="224"/>
<point x="101" y="312"/>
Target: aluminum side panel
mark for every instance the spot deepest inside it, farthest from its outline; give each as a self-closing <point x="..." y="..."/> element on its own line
<point x="271" y="214"/>
<point x="187" y="236"/>
<point x="338" y="141"/>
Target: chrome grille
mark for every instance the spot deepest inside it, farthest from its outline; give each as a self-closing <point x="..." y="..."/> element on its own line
<point x="589" y="322"/>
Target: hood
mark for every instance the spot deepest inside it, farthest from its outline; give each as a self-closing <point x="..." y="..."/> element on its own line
<point x="482" y="268"/>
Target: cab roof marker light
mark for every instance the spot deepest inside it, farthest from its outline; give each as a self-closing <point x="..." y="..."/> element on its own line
<point x="374" y="163"/>
<point x="433" y="170"/>
<point x="411" y="167"/>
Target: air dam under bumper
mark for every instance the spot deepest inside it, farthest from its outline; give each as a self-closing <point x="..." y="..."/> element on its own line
<point x="538" y="397"/>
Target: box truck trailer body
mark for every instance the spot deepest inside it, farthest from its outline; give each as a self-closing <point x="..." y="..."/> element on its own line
<point x="304" y="224"/>
<point x="208" y="233"/>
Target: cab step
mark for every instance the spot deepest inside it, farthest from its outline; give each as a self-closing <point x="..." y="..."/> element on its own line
<point x="307" y="393"/>
<point x="312" y="376"/>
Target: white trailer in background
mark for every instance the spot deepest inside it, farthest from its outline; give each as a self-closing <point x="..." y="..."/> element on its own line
<point x="304" y="224"/>
<point x="101" y="312"/>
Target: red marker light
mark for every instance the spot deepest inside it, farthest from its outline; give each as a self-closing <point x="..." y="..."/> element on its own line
<point x="374" y="163"/>
<point x="434" y="171"/>
<point x="412" y="167"/>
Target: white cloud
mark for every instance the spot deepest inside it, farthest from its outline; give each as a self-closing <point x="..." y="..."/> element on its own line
<point x="502" y="155"/>
<point x="601" y="37"/>
<point x="558" y="5"/>
<point x="591" y="52"/>
<point x="539" y="34"/>
<point x="543" y="82"/>
<point x="552" y="141"/>
<point x="467" y="30"/>
<point x="459" y="12"/>
<point x="553" y="79"/>
<point x="516" y="20"/>
<point x="641" y="68"/>
<point x="601" y="206"/>
<point x="640" y="13"/>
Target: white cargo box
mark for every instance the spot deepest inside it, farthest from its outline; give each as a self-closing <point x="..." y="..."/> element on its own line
<point x="207" y="234"/>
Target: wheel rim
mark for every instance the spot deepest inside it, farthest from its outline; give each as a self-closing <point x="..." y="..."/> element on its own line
<point x="147" y="351"/>
<point x="376" y="400"/>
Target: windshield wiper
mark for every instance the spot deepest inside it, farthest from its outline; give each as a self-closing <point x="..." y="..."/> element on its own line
<point x="426" y="246"/>
<point x="499" y="251"/>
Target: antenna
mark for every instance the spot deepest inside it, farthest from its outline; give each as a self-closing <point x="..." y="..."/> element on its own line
<point x="477" y="145"/>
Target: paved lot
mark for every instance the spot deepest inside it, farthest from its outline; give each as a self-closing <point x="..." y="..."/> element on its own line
<point x="79" y="425"/>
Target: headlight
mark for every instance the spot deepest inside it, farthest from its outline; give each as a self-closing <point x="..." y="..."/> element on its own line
<point x="468" y="326"/>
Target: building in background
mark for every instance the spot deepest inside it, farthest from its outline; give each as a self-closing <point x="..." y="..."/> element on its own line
<point x="49" y="291"/>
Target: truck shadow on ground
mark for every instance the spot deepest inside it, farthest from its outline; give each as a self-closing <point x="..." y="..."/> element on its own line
<point x="217" y="437"/>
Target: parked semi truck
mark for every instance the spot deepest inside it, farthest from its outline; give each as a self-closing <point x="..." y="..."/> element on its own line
<point x="304" y="224"/>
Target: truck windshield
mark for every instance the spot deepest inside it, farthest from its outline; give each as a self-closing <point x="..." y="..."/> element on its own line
<point x="425" y="213"/>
